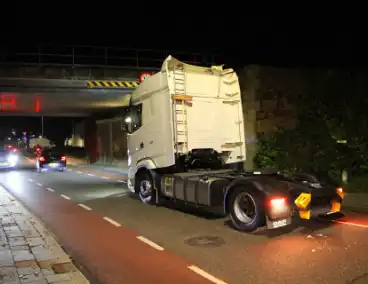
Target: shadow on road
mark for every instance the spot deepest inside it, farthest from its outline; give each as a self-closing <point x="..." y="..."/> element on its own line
<point x="192" y="210"/>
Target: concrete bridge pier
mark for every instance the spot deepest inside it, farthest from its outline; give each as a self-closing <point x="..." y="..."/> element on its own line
<point x="90" y="139"/>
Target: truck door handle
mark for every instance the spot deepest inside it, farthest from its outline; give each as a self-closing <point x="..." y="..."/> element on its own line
<point x="151" y="142"/>
<point x="142" y="145"/>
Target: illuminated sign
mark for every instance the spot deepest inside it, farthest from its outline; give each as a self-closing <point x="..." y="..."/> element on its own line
<point x="9" y="103"/>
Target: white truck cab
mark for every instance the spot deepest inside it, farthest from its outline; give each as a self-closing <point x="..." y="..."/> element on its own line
<point x="181" y="108"/>
<point x="185" y="128"/>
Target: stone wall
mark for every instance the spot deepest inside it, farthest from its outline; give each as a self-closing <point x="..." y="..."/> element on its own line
<point x="269" y="101"/>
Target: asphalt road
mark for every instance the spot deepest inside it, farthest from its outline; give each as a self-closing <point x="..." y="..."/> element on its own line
<point x="309" y="252"/>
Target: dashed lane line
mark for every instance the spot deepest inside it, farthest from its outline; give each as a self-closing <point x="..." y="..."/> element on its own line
<point x="39" y="184"/>
<point x="206" y="275"/>
<point x="123" y="181"/>
<point x="150" y="243"/>
<point x="111" y="221"/>
<point x="91" y="175"/>
<point x="79" y="172"/>
<point x="50" y="189"/>
<point x="105" y="177"/>
<point x="30" y="180"/>
<point x="65" y="197"/>
<point x="85" y="207"/>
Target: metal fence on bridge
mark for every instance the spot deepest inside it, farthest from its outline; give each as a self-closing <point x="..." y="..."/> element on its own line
<point x="100" y="56"/>
<point x="112" y="141"/>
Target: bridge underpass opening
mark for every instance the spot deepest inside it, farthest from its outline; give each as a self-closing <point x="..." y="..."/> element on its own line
<point x="21" y="129"/>
<point x="60" y="98"/>
<point x="55" y="115"/>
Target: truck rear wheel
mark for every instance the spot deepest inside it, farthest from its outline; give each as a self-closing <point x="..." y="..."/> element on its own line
<point x="246" y="210"/>
<point x="145" y="188"/>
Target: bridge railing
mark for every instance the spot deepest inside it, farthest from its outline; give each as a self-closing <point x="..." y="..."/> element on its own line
<point x="99" y="56"/>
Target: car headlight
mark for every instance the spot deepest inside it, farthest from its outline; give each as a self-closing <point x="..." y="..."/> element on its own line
<point x="12" y="159"/>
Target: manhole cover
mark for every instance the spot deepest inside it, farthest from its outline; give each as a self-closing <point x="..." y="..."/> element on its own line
<point x="205" y="241"/>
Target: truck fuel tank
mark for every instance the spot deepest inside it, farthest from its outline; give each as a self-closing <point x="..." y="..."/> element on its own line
<point x="205" y="190"/>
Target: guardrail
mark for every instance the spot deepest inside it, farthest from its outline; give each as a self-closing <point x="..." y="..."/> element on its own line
<point x="99" y="56"/>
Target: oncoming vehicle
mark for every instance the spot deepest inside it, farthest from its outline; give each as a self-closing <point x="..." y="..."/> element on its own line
<point x="186" y="138"/>
<point x="8" y="159"/>
<point x="51" y="159"/>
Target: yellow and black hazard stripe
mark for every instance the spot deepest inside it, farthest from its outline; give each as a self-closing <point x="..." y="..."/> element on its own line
<point x="112" y="84"/>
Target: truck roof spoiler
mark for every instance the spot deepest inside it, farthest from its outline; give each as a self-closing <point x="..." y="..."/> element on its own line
<point x="171" y="62"/>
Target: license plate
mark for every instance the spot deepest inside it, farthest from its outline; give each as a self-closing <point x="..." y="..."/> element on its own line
<point x="54" y="164"/>
<point x="3" y="163"/>
<point x="278" y="223"/>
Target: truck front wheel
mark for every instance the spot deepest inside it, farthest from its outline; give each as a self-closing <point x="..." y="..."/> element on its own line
<point x="145" y="188"/>
<point x="246" y="210"/>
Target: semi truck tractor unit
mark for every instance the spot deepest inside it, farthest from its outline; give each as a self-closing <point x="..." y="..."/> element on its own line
<point x="186" y="142"/>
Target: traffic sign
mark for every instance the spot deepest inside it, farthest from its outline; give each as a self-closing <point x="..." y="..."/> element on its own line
<point x="144" y="76"/>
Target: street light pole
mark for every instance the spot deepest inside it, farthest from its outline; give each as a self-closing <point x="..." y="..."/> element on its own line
<point x="42" y="126"/>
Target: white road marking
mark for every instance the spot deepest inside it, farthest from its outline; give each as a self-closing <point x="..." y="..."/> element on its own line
<point x="105" y="177"/>
<point x="351" y="224"/>
<point x="64" y="196"/>
<point x="50" y="189"/>
<point x="30" y="160"/>
<point x="150" y="243"/>
<point x="39" y="184"/>
<point x="79" y="172"/>
<point x="111" y="221"/>
<point x="85" y="207"/>
<point x="206" y="275"/>
<point x="123" y="181"/>
<point x="30" y="180"/>
<point x="91" y="175"/>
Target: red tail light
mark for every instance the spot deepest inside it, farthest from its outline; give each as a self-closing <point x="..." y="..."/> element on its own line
<point x="42" y="159"/>
<point x="63" y="158"/>
<point x="38" y="149"/>
<point x="14" y="150"/>
<point x="340" y="192"/>
<point x="9" y="146"/>
<point x="278" y="208"/>
<point x="278" y="202"/>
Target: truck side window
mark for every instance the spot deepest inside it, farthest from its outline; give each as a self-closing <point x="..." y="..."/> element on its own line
<point x="135" y="118"/>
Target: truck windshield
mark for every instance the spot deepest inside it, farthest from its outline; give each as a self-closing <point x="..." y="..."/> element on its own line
<point x="134" y="119"/>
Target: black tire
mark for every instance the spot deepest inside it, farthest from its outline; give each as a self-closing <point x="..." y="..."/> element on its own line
<point x="238" y="216"/>
<point x="145" y="188"/>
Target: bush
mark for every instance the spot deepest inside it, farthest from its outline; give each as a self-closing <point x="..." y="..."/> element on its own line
<point x="357" y="184"/>
<point x="304" y="149"/>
